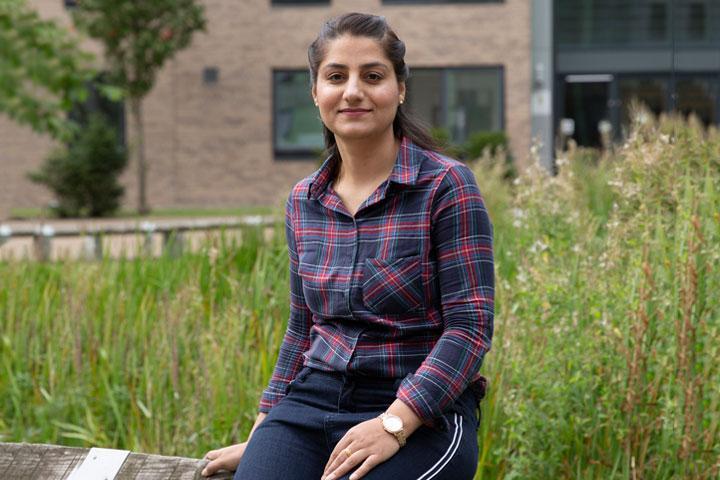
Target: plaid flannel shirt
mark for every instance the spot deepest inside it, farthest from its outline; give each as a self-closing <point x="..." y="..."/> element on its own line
<point x="402" y="289"/>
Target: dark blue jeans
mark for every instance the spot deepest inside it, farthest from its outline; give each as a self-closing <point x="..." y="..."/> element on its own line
<point x="296" y="438"/>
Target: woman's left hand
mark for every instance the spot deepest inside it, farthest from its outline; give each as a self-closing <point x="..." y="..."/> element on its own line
<point x="367" y="444"/>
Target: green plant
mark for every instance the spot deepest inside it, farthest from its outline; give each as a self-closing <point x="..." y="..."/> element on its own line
<point x="479" y="141"/>
<point x="139" y="37"/>
<point x="491" y="144"/>
<point x="442" y="137"/>
<point x="42" y="70"/>
<point x="84" y="176"/>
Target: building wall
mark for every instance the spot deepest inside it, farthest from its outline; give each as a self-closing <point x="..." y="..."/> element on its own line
<point x="211" y="145"/>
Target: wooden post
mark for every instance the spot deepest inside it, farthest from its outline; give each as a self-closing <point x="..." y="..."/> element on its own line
<point x="92" y="246"/>
<point x="42" y="241"/>
<point x="173" y="243"/>
<point x="5" y="234"/>
<point x="148" y="229"/>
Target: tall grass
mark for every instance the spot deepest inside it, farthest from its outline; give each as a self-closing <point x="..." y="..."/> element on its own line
<point x="605" y="361"/>
<point x="160" y="355"/>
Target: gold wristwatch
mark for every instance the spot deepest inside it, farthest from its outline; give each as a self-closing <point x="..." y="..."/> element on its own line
<point x="394" y="426"/>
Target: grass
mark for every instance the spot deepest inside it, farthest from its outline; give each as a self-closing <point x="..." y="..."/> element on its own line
<point x="605" y="359"/>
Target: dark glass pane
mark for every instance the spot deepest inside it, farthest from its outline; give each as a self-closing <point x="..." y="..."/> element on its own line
<point x="582" y="23"/>
<point x="316" y="2"/>
<point x="697" y="16"/>
<point x="658" y="21"/>
<point x="473" y="98"/>
<point x="697" y="95"/>
<point x="653" y="92"/>
<point x="442" y="1"/>
<point x="587" y="104"/>
<point x="461" y="101"/>
<point x="297" y="123"/>
<point x="424" y="95"/>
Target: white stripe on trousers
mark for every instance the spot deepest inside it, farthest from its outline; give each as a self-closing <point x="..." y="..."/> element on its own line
<point x="449" y="453"/>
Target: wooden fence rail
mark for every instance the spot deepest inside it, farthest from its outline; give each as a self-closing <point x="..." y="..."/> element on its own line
<point x="172" y="232"/>
<point x="23" y="461"/>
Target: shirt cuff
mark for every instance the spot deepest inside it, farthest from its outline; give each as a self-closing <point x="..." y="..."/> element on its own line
<point x="413" y="394"/>
<point x="270" y="397"/>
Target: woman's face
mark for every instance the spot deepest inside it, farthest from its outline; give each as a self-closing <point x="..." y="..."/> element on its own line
<point x="356" y="89"/>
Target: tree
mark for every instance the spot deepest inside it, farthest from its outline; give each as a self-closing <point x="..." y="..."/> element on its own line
<point x="139" y="36"/>
<point x="42" y="70"/>
<point x="84" y="176"/>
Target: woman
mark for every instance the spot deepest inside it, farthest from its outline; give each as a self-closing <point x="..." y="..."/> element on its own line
<point x="391" y="301"/>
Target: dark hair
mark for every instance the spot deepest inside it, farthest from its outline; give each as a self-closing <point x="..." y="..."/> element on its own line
<point x="371" y="26"/>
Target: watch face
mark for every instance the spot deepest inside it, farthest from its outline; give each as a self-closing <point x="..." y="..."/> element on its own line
<point x="393" y="424"/>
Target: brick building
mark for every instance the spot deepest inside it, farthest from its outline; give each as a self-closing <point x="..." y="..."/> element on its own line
<point x="230" y="121"/>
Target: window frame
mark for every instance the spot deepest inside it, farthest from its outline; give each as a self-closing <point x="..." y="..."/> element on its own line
<point x="497" y="68"/>
<point x="311" y="3"/>
<point x="298" y="154"/>
<point x="440" y="2"/>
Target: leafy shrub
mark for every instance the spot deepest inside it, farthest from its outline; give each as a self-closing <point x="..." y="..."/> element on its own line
<point x="84" y="176"/>
<point x="479" y="141"/>
<point x="490" y="145"/>
<point x="442" y="137"/>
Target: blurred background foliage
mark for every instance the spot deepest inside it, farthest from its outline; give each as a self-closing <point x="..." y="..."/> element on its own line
<point x="43" y="71"/>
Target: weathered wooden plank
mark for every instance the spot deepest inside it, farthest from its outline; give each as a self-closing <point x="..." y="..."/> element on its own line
<point x="25" y="461"/>
<point x="54" y="462"/>
<point x="189" y="469"/>
<point x="132" y="466"/>
<point x="58" y="461"/>
<point x="157" y="468"/>
<point x="74" y="463"/>
<point x="7" y="454"/>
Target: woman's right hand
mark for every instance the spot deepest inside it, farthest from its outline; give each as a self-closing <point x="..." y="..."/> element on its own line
<point x="226" y="458"/>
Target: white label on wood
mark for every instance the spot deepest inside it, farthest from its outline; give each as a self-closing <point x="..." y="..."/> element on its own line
<point x="100" y="464"/>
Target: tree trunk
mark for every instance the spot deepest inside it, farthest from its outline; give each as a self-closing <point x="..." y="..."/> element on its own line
<point x="136" y="108"/>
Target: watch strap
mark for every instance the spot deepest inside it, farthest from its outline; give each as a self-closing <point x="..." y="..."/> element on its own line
<point x="399" y="435"/>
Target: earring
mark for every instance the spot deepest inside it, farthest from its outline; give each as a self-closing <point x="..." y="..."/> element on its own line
<point x="402" y="100"/>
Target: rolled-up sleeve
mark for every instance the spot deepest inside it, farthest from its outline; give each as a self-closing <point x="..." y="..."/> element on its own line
<point x="462" y="242"/>
<point x="297" y="337"/>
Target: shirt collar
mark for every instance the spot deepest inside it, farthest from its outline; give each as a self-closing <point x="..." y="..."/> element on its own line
<point x="405" y="171"/>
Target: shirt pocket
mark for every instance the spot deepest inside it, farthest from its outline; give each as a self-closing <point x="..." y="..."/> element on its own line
<point x="393" y="286"/>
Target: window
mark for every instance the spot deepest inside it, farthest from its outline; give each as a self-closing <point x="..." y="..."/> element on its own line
<point x="461" y="101"/>
<point x="696" y="25"/>
<point x="442" y="1"/>
<point x="696" y="95"/>
<point x="211" y="75"/>
<point x="297" y="130"/>
<point x="300" y="2"/>
<point x="97" y="103"/>
<point x="70" y="3"/>
<point x="652" y="91"/>
<point x="658" y="21"/>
